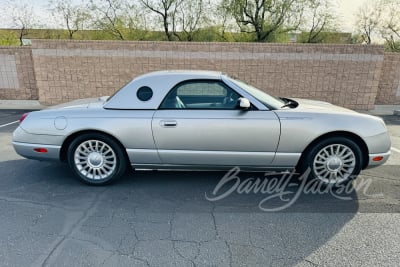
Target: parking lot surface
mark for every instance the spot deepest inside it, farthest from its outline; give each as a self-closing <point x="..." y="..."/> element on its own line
<point x="168" y="218"/>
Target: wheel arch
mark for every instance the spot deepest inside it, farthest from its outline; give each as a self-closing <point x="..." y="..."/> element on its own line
<point x="70" y="138"/>
<point x="352" y="136"/>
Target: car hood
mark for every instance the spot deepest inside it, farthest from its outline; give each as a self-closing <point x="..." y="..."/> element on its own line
<point x="308" y="105"/>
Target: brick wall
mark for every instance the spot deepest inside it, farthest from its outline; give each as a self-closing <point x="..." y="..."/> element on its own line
<point x="17" y="77"/>
<point x="347" y="75"/>
<point x="389" y="85"/>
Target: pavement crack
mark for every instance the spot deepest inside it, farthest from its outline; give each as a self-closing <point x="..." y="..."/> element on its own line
<point x="170" y="222"/>
<point x="214" y="222"/>
<point x="116" y="252"/>
<point x="139" y="259"/>
<point x="106" y="259"/>
<point x="96" y="245"/>
<point x="312" y="263"/>
<point x="142" y="260"/>
<point x="230" y="254"/>
<point x="182" y="256"/>
<point x="74" y="227"/>
<point x="35" y="203"/>
<point x="381" y="177"/>
<point x="251" y="243"/>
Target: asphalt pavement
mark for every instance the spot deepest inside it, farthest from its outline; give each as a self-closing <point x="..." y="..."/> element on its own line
<point x="169" y="218"/>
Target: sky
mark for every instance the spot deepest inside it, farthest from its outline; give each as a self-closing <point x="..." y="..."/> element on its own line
<point x="345" y="10"/>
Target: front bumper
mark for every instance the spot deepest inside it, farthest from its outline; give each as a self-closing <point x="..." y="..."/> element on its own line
<point x="372" y="163"/>
<point x="27" y="150"/>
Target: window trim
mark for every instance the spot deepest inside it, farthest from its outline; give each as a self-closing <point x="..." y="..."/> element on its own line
<point x="201" y="80"/>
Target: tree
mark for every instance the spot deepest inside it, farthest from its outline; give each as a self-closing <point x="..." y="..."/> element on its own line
<point x="165" y="10"/>
<point x="266" y="18"/>
<point x="390" y="28"/>
<point x="108" y="19"/>
<point x="222" y="21"/>
<point x="115" y="17"/>
<point x="380" y="19"/>
<point x="74" y="16"/>
<point x="321" y="20"/>
<point x="368" y="20"/>
<point x="23" y="19"/>
<point x="187" y="18"/>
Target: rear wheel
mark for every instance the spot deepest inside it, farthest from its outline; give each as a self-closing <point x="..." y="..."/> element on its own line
<point x="96" y="159"/>
<point x="333" y="161"/>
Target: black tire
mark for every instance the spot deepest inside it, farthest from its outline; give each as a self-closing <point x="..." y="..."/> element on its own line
<point x="96" y="159"/>
<point x="347" y="166"/>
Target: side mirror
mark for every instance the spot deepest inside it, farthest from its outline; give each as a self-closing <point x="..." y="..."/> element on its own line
<point x="244" y="103"/>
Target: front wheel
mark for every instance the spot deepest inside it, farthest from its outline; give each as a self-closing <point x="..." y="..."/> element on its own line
<point x="333" y="161"/>
<point x="96" y="159"/>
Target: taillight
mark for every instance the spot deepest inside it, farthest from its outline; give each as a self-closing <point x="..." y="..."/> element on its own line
<point x="40" y="150"/>
<point x="23" y="117"/>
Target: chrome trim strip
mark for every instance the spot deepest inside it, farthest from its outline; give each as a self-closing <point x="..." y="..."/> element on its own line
<point x="209" y="167"/>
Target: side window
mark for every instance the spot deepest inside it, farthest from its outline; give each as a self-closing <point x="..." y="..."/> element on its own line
<point x="144" y="93"/>
<point x="201" y="95"/>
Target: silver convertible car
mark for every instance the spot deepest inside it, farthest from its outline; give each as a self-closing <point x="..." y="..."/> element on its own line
<point x="203" y="120"/>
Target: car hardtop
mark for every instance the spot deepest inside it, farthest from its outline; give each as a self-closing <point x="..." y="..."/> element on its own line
<point x="160" y="83"/>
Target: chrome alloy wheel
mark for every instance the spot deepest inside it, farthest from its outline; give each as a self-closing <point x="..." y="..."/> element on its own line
<point x="334" y="163"/>
<point x="95" y="159"/>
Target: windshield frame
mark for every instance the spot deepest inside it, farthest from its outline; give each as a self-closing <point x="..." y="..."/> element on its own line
<point x="269" y="101"/>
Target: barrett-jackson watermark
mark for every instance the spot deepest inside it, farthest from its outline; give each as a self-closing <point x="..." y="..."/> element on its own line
<point x="282" y="187"/>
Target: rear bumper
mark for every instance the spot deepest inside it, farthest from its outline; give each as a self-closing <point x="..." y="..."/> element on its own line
<point x="372" y="163"/>
<point x="27" y="150"/>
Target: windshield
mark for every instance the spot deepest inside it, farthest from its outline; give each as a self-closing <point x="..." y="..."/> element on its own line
<point x="266" y="99"/>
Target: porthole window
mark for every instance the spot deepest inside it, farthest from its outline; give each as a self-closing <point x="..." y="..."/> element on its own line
<point x="144" y="93"/>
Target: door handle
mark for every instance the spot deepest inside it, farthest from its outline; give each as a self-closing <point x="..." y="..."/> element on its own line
<point x="168" y="123"/>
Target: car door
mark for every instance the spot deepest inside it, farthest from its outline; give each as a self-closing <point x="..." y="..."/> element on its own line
<point x="199" y="123"/>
